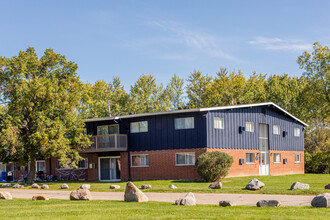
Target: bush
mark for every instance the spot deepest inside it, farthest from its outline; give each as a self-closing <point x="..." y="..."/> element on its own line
<point x="212" y="166"/>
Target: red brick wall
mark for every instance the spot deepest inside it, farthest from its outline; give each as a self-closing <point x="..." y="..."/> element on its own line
<point x="290" y="167"/>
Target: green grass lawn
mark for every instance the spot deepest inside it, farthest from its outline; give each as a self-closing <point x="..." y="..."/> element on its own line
<point x="66" y="209"/>
<point x="274" y="185"/>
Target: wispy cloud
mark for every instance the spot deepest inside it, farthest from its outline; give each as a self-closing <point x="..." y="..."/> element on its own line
<point x="281" y="44"/>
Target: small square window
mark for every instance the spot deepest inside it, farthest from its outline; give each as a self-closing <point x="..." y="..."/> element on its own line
<point x="83" y="164"/>
<point x="249" y="126"/>
<point x="276" y="129"/>
<point x="219" y="123"/>
<point x="297" y="158"/>
<point x="297" y="132"/>
<point x="277" y="158"/>
<point x="250" y="158"/>
<point x="185" y="159"/>
<point x="140" y="160"/>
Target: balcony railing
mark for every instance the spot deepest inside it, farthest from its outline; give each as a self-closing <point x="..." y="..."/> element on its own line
<point x="111" y="142"/>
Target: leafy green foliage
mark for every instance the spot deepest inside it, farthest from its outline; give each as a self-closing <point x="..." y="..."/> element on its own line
<point x="212" y="166"/>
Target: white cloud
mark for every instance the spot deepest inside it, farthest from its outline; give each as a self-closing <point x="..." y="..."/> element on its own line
<point x="281" y="44"/>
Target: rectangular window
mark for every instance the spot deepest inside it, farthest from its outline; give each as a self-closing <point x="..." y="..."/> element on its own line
<point x="108" y="129"/>
<point x="140" y="160"/>
<point x="40" y="166"/>
<point x="66" y="166"/>
<point x="249" y="126"/>
<point x="250" y="158"/>
<point x="184" y="159"/>
<point x="276" y="129"/>
<point x="277" y="158"/>
<point x="219" y="123"/>
<point x="184" y="123"/>
<point x="138" y="127"/>
<point x="297" y="132"/>
<point x="83" y="164"/>
<point x="297" y="158"/>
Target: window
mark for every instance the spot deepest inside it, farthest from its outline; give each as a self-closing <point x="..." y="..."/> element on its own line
<point x="138" y="127"/>
<point x="250" y="158"/>
<point x="83" y="164"/>
<point x="40" y="166"/>
<point x="66" y="166"/>
<point x="108" y="129"/>
<point x="276" y="129"/>
<point x="185" y="159"/>
<point x="249" y="126"/>
<point x="140" y="160"/>
<point x="184" y="123"/>
<point x="297" y="158"/>
<point x="296" y="132"/>
<point x="219" y="123"/>
<point x="277" y="158"/>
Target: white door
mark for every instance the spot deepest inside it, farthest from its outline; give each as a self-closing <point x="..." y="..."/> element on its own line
<point x="263" y="150"/>
<point x="109" y="168"/>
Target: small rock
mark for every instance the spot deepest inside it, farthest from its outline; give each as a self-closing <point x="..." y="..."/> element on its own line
<point x="6" y="185"/>
<point x="189" y="199"/>
<point x="17" y="186"/>
<point x="216" y="185"/>
<point x="255" y="184"/>
<point x="81" y="194"/>
<point x="297" y="185"/>
<point x="35" y="186"/>
<point x="327" y="186"/>
<point x="268" y="203"/>
<point x="114" y="187"/>
<point x="321" y="201"/>
<point x="85" y="186"/>
<point x="44" y="186"/>
<point x="172" y="186"/>
<point x="146" y="187"/>
<point x="133" y="194"/>
<point x="227" y="203"/>
<point x="64" y="186"/>
<point x="5" y="195"/>
<point x="40" y="197"/>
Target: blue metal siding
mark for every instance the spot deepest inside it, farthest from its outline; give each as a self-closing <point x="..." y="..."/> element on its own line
<point x="229" y="137"/>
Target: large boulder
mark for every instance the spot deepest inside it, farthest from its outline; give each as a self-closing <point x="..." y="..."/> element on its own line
<point x="146" y="187"/>
<point x="5" y="195"/>
<point x="188" y="199"/>
<point x="321" y="201"/>
<point x="133" y="194"/>
<point x="227" y="203"/>
<point x="40" y="197"/>
<point x="255" y="184"/>
<point x="268" y="203"/>
<point x="35" y="186"/>
<point x="81" y="194"/>
<point x="44" y="186"/>
<point x="216" y="185"/>
<point x="172" y="186"/>
<point x="297" y="185"/>
<point x="6" y="185"/>
<point x="64" y="186"/>
<point x="114" y="187"/>
<point x="17" y="186"/>
<point x="85" y="186"/>
<point x="327" y="186"/>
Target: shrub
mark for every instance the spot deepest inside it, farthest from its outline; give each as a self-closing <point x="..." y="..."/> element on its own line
<point x="212" y="166"/>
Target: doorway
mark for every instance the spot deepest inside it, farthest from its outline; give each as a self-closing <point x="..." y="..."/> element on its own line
<point x="263" y="149"/>
<point x="109" y="168"/>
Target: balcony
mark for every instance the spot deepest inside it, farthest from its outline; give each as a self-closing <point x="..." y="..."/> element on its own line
<point x="110" y="142"/>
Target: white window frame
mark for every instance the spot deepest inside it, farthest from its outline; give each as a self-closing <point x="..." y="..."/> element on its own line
<point x="219" y="123"/>
<point x="277" y="128"/>
<point x="185" y="154"/>
<point x="86" y="164"/>
<point x="249" y="124"/>
<point x="248" y="162"/>
<point x="275" y="157"/>
<point x="296" y="132"/>
<point x="138" y="123"/>
<point x="185" y="124"/>
<point x="40" y="161"/>
<point x="139" y="155"/>
<point x="296" y="161"/>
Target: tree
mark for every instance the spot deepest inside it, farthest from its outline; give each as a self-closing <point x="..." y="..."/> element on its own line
<point x="196" y="89"/>
<point x="41" y="98"/>
<point x="255" y="89"/>
<point x="175" y="92"/>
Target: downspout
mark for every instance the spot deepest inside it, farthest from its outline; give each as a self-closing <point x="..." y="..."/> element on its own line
<point x="129" y="165"/>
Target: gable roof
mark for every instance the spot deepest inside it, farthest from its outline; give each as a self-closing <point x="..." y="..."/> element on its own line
<point x="200" y="110"/>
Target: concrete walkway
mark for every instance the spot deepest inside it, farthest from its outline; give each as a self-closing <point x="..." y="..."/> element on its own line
<point x="202" y="198"/>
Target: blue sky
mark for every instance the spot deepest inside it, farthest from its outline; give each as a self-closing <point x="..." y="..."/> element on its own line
<point x="162" y="38"/>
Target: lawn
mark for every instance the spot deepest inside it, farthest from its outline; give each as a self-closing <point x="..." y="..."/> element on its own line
<point x="66" y="209"/>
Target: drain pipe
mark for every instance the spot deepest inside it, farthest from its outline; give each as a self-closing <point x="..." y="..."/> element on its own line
<point x="129" y="165"/>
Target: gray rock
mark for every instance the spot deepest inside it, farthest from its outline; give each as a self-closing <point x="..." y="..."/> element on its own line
<point x="227" y="203"/>
<point x="35" y="186"/>
<point x="85" y="186"/>
<point x="5" y="195"/>
<point x="146" y="187"/>
<point x="6" y="185"/>
<point x="297" y="185"/>
<point x="255" y="184"/>
<point x="321" y="201"/>
<point x="172" y="186"/>
<point x="133" y="194"/>
<point x="327" y="186"/>
<point x="189" y="199"/>
<point x="114" y="187"/>
<point x="268" y="203"/>
<point x="64" y="186"/>
<point x="216" y="185"/>
<point x="44" y="186"/>
<point x="17" y="186"/>
<point x="81" y="194"/>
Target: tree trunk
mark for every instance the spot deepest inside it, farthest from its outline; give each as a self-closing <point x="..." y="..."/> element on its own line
<point x="32" y="171"/>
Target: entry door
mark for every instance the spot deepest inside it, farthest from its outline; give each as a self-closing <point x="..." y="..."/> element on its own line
<point x="263" y="149"/>
<point x="109" y="168"/>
